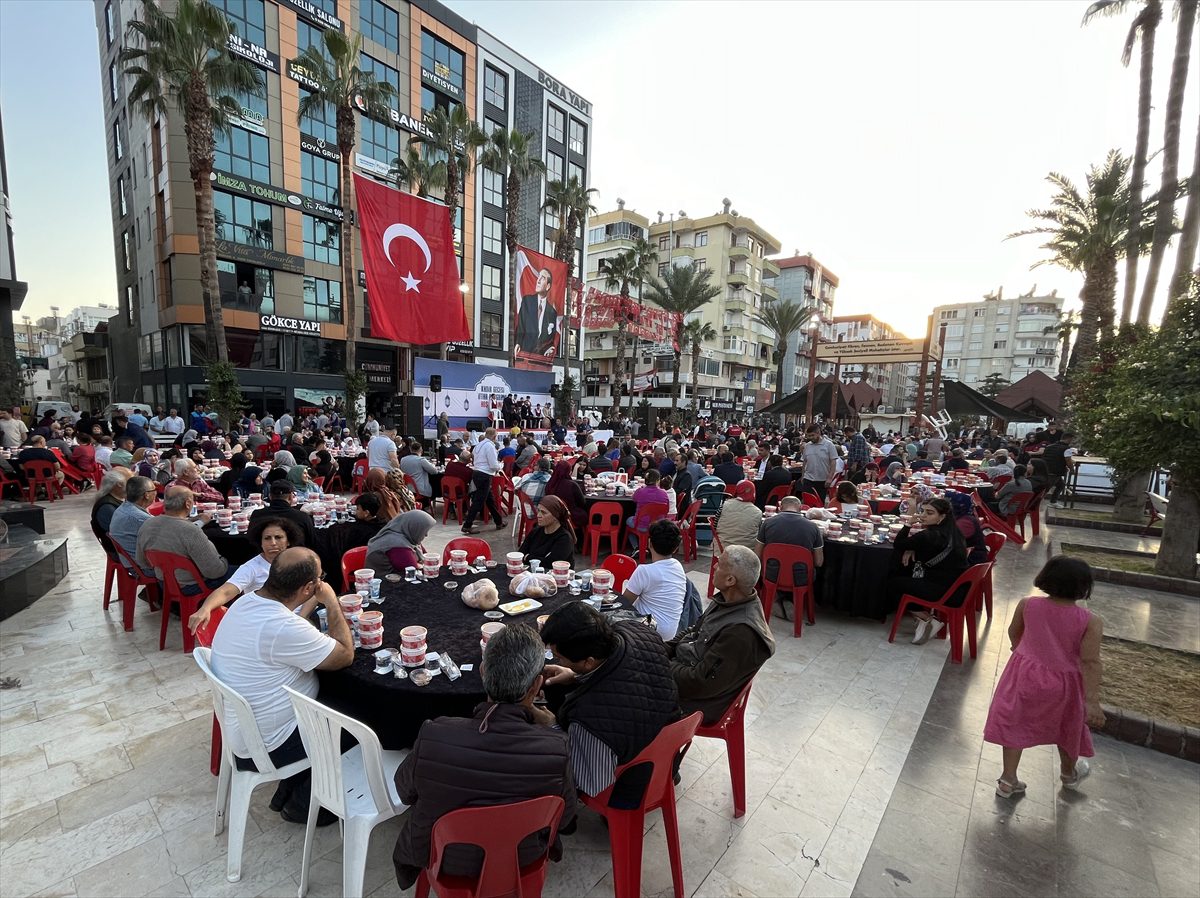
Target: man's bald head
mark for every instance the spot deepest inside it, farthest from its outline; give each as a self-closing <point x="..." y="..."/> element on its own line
<point x="178" y="500"/>
<point x="790" y="503"/>
<point x="292" y="571"/>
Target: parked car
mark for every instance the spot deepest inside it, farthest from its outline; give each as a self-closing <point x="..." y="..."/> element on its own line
<point x="128" y="408"/>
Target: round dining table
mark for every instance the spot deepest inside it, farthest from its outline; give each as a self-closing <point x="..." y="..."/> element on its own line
<point x="332" y="542"/>
<point x="853" y="579"/>
<point x="395" y="708"/>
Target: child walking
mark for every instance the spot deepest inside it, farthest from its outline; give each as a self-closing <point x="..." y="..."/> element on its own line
<point x="1050" y="691"/>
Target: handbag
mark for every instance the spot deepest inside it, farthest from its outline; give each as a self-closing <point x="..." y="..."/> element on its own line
<point x="918" y="571"/>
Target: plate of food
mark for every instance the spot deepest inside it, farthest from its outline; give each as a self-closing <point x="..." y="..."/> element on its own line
<point x="520" y="607"/>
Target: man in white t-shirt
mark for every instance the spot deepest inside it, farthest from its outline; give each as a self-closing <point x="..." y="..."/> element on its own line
<point x="659" y="588"/>
<point x="263" y="645"/>
<point x="381" y="451"/>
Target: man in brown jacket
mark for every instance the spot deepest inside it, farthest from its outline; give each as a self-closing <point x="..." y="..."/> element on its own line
<point x="499" y="756"/>
<point x="719" y="654"/>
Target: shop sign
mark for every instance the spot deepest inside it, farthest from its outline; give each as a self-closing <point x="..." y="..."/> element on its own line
<point x="260" y="56"/>
<point x="313" y="13"/>
<point x="467" y="348"/>
<point x="561" y="91"/>
<point x="250" y="120"/>
<point x="289" y="325"/>
<point x="379" y="366"/>
<point x="396" y="117"/>
<point x="436" y="79"/>
<point x="300" y="74"/>
<point x="263" y="258"/>
<point x="320" y="147"/>
<point x="259" y="191"/>
<point x="721" y="405"/>
<point x="371" y="166"/>
<point x="595" y="378"/>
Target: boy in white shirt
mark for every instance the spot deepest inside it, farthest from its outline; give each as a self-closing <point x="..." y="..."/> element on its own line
<point x="659" y="588"/>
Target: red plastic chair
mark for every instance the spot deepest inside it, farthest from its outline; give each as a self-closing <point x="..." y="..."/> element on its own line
<point x="804" y="602"/>
<point x="779" y="492"/>
<point x="358" y="476"/>
<point x="169" y="565"/>
<point x="717" y="550"/>
<point x="528" y="516"/>
<point x="502" y="493"/>
<point x="474" y="546"/>
<point x="41" y="473"/>
<point x="498" y="830"/>
<point x="646" y="515"/>
<point x="993" y="521"/>
<point x="963" y="615"/>
<point x="112" y="568"/>
<point x="622" y="568"/>
<point x="6" y="482"/>
<point x="333" y="482"/>
<point x="98" y="475"/>
<point x="129" y="577"/>
<point x="74" y="479"/>
<point x="1025" y="502"/>
<point x="204" y="636"/>
<point x="687" y="527"/>
<point x="508" y="464"/>
<point x="998" y="482"/>
<point x="352" y="560"/>
<point x="626" y="828"/>
<point x="994" y="542"/>
<point x="604" y="520"/>
<point x="412" y="488"/>
<point x="454" y="495"/>
<point x="155" y="508"/>
<point x="731" y="728"/>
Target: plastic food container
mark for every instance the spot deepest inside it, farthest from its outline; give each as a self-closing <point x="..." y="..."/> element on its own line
<point x="369" y="621"/>
<point x="413" y="637"/>
<point x="490" y="629"/>
<point x="351" y="604"/>
<point x="414" y="656"/>
<point x="515" y="562"/>
<point x="602" y="582"/>
<point x="562" y="573"/>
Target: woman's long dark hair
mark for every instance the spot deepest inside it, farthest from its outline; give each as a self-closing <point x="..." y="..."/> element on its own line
<point x="947" y="528"/>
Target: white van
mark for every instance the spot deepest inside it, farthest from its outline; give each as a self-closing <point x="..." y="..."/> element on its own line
<point x="60" y="409"/>
<point x="128" y="408"/>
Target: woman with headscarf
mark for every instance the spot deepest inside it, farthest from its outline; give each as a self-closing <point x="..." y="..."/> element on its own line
<point x="227" y="480"/>
<point x="324" y="465"/>
<point x="305" y="488"/>
<point x="918" y="495"/>
<point x="968" y="525"/>
<point x="389" y="502"/>
<point x="187" y="439"/>
<point x="739" y="518"/>
<point x="894" y="474"/>
<point x="211" y="450"/>
<point x="281" y="463"/>
<point x="553" y="539"/>
<point x="250" y="480"/>
<point x="395" y="483"/>
<point x="568" y="490"/>
<point x="398" y="544"/>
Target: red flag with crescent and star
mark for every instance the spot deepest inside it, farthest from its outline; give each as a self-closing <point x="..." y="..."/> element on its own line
<point x="411" y="269"/>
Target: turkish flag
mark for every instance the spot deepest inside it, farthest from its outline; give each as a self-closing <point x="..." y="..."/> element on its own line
<point x="412" y="272"/>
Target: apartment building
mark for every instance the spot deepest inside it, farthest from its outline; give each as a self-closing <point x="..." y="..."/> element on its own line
<point x="805" y="281"/>
<point x="277" y="186"/>
<point x="891" y="380"/>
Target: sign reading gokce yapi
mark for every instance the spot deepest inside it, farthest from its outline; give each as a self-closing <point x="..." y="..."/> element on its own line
<point x="645" y="321"/>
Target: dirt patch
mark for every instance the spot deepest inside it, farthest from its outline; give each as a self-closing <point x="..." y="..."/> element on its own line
<point x="1118" y="561"/>
<point x="1152" y="681"/>
<point x="1085" y="514"/>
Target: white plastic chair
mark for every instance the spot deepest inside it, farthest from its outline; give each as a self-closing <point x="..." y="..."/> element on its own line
<point x="234" y="786"/>
<point x="359" y="786"/>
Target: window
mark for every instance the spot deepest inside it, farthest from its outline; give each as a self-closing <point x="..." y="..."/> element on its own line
<point x="948" y="316"/>
<point x="578" y="137"/>
<point x="664" y="243"/>
<point x="310" y="36"/>
<point x="242" y="153"/>
<point x="442" y="60"/>
<point x="955" y="330"/>
<point x="319" y="178"/>
<point x="701" y="264"/>
<point x="380" y="23"/>
<point x="109" y="25"/>
<point x="574" y="171"/>
<point x="491" y="333"/>
<point x="431" y="99"/>
<point x="322" y="300"/>
<point x="980" y="313"/>
<point x="321" y="123"/>
<point x="315" y="355"/>
<point x="554" y="168"/>
<point x="118" y="146"/>
<point x="249" y="16"/>
<point x="127" y="250"/>
<point x="114" y="83"/>
<point x="1000" y="344"/>
<point x="493" y="187"/>
<point x="950" y="363"/>
<point x="491" y="126"/>
<point x="379" y="140"/>
<point x="122" y="200"/>
<point x="663" y="267"/>
<point x="243" y="220"/>
<point x="495" y="86"/>
<point x="702" y="238"/>
<point x="1003" y="310"/>
<point x="493" y="236"/>
<point x="490" y="287"/>
<point x="556" y="124"/>
<point x="322" y="240"/>
<point x="1001" y="328"/>
<point x="383" y="72"/>
<point x="246" y="287"/>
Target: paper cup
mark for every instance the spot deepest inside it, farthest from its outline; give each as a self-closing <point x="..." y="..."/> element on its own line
<point x="414" y="656"/>
<point x="562" y="573"/>
<point x="602" y="582"/>
<point x="490" y="629"/>
<point x="413" y="637"/>
<point x="370" y="620"/>
<point x="364" y="575"/>
<point x="351" y="604"/>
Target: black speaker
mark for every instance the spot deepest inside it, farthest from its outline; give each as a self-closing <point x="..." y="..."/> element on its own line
<point x="409" y="414"/>
<point x="435" y="383"/>
<point x="477" y="424"/>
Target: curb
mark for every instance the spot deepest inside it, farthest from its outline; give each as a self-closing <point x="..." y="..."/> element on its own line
<point x="1174" y="585"/>
<point x="1107" y="526"/>
<point x="1164" y="736"/>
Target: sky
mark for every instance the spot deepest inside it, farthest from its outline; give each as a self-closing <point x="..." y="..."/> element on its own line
<point x="897" y="142"/>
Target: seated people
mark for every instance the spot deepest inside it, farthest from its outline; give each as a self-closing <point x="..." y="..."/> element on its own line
<point x="774" y="477"/>
<point x="272" y="536"/>
<point x="650" y="494"/>
<point x="659" y="588"/>
<point x="122" y="455"/>
<point x="955" y="461"/>
<point x="618" y="695"/>
<point x="738" y="518"/>
<point x="261" y="646"/>
<point x="845" y="498"/>
<point x="37" y="451"/>
<point x="791" y="528"/>
<point x="569" y="491"/>
<point x="461" y="468"/>
<point x="1006" y="501"/>
<point x="728" y="469"/>
<point x="423" y="472"/>
<point x="921" y="462"/>
<point x="172" y="531"/>
<point x="398" y="544"/>
<point x="940" y="552"/>
<point x="83" y="454"/>
<point x="187" y="473"/>
<point x="533" y="484"/>
<point x="279" y="505"/>
<point x="553" y="539"/>
<point x="445" y="771"/>
<point x="718" y="655"/>
<point x="968" y="524"/>
<point x="108" y="499"/>
<point x="367" y="521"/>
<point x="128" y="519"/>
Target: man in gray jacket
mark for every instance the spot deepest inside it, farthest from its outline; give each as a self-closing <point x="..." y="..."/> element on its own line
<point x="172" y="531"/>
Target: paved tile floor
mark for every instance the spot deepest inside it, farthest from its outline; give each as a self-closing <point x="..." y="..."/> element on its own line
<point x="866" y="773"/>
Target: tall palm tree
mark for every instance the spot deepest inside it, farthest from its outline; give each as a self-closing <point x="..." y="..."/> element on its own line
<point x="334" y="69"/>
<point x="784" y="318"/>
<point x="684" y="289"/>
<point x="182" y="58"/>
<point x="1164" y="223"/>
<point x="414" y="173"/>
<point x="512" y="153"/>
<point x="1144" y="25"/>
<point x="1186" y="259"/>
<point x="455" y="138"/>
<point x="1068" y="323"/>
<point x="1089" y="233"/>
<point x="572" y="203"/>
<point x="694" y="334"/>
<point x="622" y="271"/>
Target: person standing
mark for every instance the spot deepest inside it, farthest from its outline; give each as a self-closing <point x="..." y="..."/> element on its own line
<point x="13" y="431"/>
<point x="381" y="450"/>
<point x="485" y="466"/>
<point x="820" y="463"/>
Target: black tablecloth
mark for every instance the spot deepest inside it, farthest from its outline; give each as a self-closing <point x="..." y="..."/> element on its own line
<point x="853" y="578"/>
<point x="395" y="709"/>
<point x="332" y="542"/>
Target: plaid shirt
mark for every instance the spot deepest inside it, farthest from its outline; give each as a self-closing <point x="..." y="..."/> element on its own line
<point x="858" y="454"/>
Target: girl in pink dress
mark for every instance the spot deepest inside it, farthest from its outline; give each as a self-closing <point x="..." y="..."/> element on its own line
<point x="1050" y="691"/>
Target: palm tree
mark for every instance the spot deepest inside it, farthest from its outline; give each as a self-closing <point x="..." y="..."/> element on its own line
<point x="572" y="203"/>
<point x="683" y="290"/>
<point x="512" y="152"/>
<point x="1089" y="233"/>
<point x="182" y="58"/>
<point x="454" y="139"/>
<point x="334" y="69"/>
<point x="414" y="173"/>
<point x="785" y="318"/>
<point x="1186" y="258"/>
<point x="1068" y="323"/>
<point x="621" y="272"/>
<point x="1164" y="223"/>
<point x="1144" y="25"/>
<point x="695" y="333"/>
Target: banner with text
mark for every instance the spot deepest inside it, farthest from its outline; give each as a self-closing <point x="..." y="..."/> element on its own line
<point x="468" y="390"/>
<point x="645" y="321"/>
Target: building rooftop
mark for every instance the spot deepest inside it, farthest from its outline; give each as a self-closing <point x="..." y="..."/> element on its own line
<point x="806" y="261"/>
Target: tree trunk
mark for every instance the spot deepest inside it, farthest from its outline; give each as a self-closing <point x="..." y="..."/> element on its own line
<point x="1153" y="13"/>
<point x="1106" y="300"/>
<point x="198" y="132"/>
<point x="513" y="190"/>
<point x="677" y="384"/>
<point x="1177" y="551"/>
<point x="1163" y="223"/>
<point x="1186" y="260"/>
<point x="1129" y="497"/>
<point x="618" y="383"/>
<point x="349" y="307"/>
<point x="782" y="349"/>
<point x="1085" y="339"/>
<point x="1064" y="355"/>
<point x="695" y="381"/>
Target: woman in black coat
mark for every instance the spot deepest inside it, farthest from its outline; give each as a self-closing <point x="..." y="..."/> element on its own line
<point x="553" y="539"/>
<point x="930" y="561"/>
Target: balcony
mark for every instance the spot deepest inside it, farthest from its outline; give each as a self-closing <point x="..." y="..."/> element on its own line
<point x="738" y="251"/>
<point x="769" y="293"/>
<point x="770" y="269"/>
<point x="737" y="279"/>
<point x="242" y="301"/>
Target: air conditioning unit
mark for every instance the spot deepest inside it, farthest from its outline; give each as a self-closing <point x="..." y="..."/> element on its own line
<point x="726" y="328"/>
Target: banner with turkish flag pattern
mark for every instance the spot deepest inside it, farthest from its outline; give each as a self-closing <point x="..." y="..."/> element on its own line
<point x="411" y="269"/>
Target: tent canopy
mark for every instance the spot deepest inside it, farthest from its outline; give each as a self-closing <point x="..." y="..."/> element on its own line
<point x="1036" y="393"/>
<point x="797" y="403"/>
<point x="959" y="399"/>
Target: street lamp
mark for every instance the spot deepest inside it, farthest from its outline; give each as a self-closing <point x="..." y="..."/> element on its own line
<point x="814" y="325"/>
